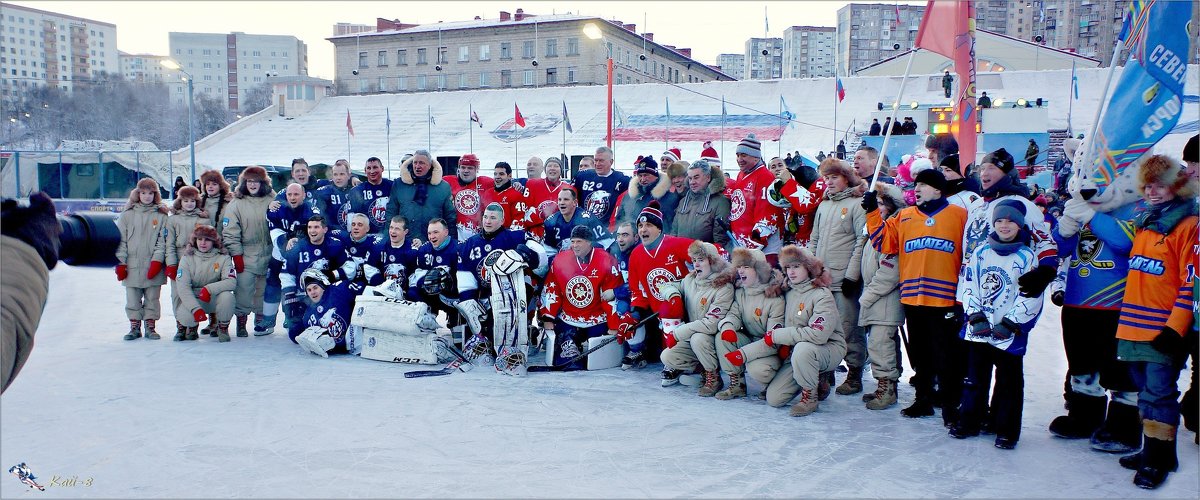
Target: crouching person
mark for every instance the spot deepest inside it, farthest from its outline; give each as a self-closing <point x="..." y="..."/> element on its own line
<point x="327" y="318"/>
<point x="757" y="308"/>
<point x="707" y="294"/>
<point x="811" y="339"/>
<point x="205" y="284"/>
<point x="575" y="302"/>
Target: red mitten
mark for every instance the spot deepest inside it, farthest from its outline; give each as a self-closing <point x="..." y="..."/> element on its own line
<point x="155" y="268"/>
<point x="736" y="357"/>
<point x="122" y="272"/>
<point x="199" y="315"/>
<point x="172" y="271"/>
<point x="767" y="338"/>
<point x="239" y="264"/>
<point x="729" y="336"/>
<point x="672" y="308"/>
<point x="204" y="296"/>
<point x="669" y="340"/>
<point x="785" y="352"/>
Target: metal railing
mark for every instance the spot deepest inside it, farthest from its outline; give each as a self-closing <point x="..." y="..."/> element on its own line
<point x="74" y="174"/>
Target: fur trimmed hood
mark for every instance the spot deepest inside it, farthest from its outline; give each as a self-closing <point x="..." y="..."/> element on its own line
<point x="722" y="272"/>
<point x="755" y="259"/>
<point x="406" y="175"/>
<point x="254" y="172"/>
<point x="661" y="187"/>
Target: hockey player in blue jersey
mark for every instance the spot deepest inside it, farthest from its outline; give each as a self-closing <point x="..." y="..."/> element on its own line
<point x="364" y="248"/>
<point x="559" y="225"/>
<point x="333" y="200"/>
<point x="621" y="249"/>
<point x="316" y="251"/>
<point x="432" y="281"/>
<point x="397" y="257"/>
<point x="325" y="325"/>
<point x="371" y="197"/>
<point x="286" y="224"/>
<point x="301" y="175"/>
<point x="599" y="188"/>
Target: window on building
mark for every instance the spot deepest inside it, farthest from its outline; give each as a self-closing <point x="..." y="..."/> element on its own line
<point x="528" y="51"/>
<point x="551" y="76"/>
<point x="362" y="60"/>
<point x="402" y="83"/>
<point x="259" y="66"/>
<point x="207" y="52"/>
<point x="530" y="77"/>
<point x="383" y="84"/>
<point x="505" y="78"/>
<point x="443" y="55"/>
<point x="485" y="52"/>
<point x="421" y="57"/>
<point x="441" y="82"/>
<point x="381" y="58"/>
<point x="420" y="82"/>
<point x="462" y="81"/>
<point x="572" y="46"/>
<point x="571" y="74"/>
<point x="207" y="65"/>
<point x="552" y="47"/>
<point x="363" y="86"/>
<point x="402" y="57"/>
<point x="483" y="79"/>
<point x="505" y="50"/>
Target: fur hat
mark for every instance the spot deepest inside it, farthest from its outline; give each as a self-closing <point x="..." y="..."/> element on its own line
<point x="834" y="166"/>
<point x="674" y="154"/>
<point x="645" y="165"/>
<point x="214" y="176"/>
<point x="722" y="272"/>
<point x="652" y="214"/>
<point x="1001" y="159"/>
<point x="677" y="169"/>
<point x="710" y="155"/>
<point x="932" y="178"/>
<point x="469" y="160"/>
<point x="186" y="192"/>
<point x="1164" y="170"/>
<point x="207" y="232"/>
<point x="145" y="183"/>
<point x="745" y="257"/>
<point x="792" y="255"/>
<point x="254" y="173"/>
<point x="891" y="196"/>
<point x="750" y="146"/>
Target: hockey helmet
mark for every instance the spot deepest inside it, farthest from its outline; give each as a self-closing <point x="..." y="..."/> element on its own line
<point x="314" y="275"/>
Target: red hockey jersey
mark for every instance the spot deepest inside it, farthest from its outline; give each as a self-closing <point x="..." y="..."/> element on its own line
<point x="648" y="269"/>
<point x="573" y="289"/>
<point x="749" y="206"/>
<point x="469" y="201"/>
<point x="543" y="198"/>
<point x="516" y="206"/>
<point x="802" y="205"/>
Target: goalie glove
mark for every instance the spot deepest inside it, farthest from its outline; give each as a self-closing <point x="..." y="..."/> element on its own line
<point x="316" y="340"/>
<point x="504" y="262"/>
<point x="290" y="296"/>
<point x="473" y="312"/>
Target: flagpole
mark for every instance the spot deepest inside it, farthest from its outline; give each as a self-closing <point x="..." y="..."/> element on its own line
<point x="836" y="58"/>
<point x="780" y="151"/>
<point x="429" y="128"/>
<point x="1071" y="101"/>
<point x="1091" y="136"/>
<point x="667" y="138"/>
<point x="471" y="128"/>
<point x="895" y="109"/>
<point x="564" y="127"/>
<point x="722" y="126"/>
<point x="389" y="142"/>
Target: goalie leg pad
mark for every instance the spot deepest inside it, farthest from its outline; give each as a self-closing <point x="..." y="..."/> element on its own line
<point x="316" y="340"/>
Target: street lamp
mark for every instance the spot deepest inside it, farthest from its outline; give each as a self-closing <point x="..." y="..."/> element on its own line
<point x="171" y="64"/>
<point x="593" y="32"/>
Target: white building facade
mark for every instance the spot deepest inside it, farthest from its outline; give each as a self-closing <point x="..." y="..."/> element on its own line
<point x="40" y="48"/>
<point x="764" y="58"/>
<point x="143" y="68"/>
<point x="808" y="52"/>
<point x="733" y="64"/>
<point x="225" y="66"/>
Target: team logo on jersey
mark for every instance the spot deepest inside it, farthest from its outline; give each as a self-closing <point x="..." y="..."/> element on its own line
<point x="929" y="243"/>
<point x="976" y="232"/>
<point x="579" y="292"/>
<point x="993" y="281"/>
<point x="547" y="208"/>
<point x="656" y="279"/>
<point x="466" y="201"/>
<point x="737" y="202"/>
<point x="378" y="210"/>
<point x="597" y="202"/>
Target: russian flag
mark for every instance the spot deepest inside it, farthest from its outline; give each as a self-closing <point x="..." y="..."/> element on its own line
<point x="841" y="91"/>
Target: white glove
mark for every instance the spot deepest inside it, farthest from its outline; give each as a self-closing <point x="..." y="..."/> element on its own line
<point x="473" y="312"/>
<point x="1067" y="226"/>
<point x="1079" y="210"/>
<point x="607" y="295"/>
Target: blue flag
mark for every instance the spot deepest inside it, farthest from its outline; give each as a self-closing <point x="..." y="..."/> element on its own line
<point x="1074" y="81"/>
<point x="1147" y="102"/>
<point x="566" y="119"/>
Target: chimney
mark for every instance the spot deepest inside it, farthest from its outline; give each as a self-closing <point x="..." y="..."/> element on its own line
<point x="685" y="52"/>
<point x="632" y="28"/>
<point x="477" y="18"/>
<point x="505" y="16"/>
<point x="520" y="15"/>
<point x="382" y="24"/>
<point x="649" y="36"/>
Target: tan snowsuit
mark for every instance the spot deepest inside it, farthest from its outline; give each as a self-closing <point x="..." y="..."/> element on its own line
<point x="245" y="233"/>
<point x="706" y="301"/>
<point x="880" y="311"/>
<point x="179" y="231"/>
<point x="143" y="239"/>
<point x="750" y="316"/>
<point x="838" y="237"/>
<point x="213" y="270"/>
<point x="24" y="286"/>
<point x="814" y="330"/>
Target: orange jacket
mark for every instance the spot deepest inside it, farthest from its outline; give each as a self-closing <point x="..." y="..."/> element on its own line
<point x="930" y="248"/>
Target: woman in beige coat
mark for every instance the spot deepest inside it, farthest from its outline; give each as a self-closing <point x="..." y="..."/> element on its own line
<point x="141" y="255"/>
<point x="707" y="294"/>
<point x="215" y="197"/>
<point x="185" y="214"/>
<point x="757" y="308"/>
<point x="205" y="285"/>
<point x="244" y="232"/>
<point x="880" y="311"/>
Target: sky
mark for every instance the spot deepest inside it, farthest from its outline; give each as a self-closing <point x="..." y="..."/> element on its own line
<point x="707" y="27"/>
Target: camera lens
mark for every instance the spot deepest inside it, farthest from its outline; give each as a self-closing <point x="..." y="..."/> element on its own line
<point x="89" y="239"/>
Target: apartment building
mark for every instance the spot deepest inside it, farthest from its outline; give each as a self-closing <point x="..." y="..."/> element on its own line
<point x="869" y="33"/>
<point x="225" y="66"/>
<point x="808" y="51"/>
<point x="732" y="64"/>
<point x="41" y="48"/>
<point x="143" y="68"/>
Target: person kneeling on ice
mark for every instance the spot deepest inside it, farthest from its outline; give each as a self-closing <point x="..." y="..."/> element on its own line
<point x="204" y="284"/>
<point x="999" y="319"/>
<point x="757" y="308"/>
<point x="575" y="303"/>
<point x="811" y="340"/>
<point x="689" y="339"/>
<point x="327" y="318"/>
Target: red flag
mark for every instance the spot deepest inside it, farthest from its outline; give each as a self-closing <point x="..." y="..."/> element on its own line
<point x="948" y="28"/>
<point x="349" y="127"/>
<point x="518" y="118"/>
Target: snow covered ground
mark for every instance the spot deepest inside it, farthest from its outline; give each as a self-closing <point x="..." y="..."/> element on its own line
<point x="258" y="418"/>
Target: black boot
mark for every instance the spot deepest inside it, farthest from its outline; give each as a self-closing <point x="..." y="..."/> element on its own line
<point x="1081" y="421"/>
<point x="1121" y="432"/>
<point x="1158" y="458"/>
<point x="922" y="407"/>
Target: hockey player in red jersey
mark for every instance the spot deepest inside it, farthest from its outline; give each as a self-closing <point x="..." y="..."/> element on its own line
<point x="659" y="259"/>
<point x="575" y="303"/>
<point x="798" y="202"/>
<point x="518" y="215"/>
<point x="543" y="193"/>
<point x="752" y="219"/>
<point x="470" y="194"/>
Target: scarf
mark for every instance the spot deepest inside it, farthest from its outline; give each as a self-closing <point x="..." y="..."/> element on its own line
<point x="1162" y="218"/>
<point x="932" y="207"/>
<point x="1008" y="247"/>
<point x="1005" y="186"/>
<point x="422" y="184"/>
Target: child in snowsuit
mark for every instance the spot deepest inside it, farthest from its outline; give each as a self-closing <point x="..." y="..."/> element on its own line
<point x="690" y="340"/>
<point x="880" y="311"/>
<point x="999" y="320"/>
<point x="205" y="285"/>
<point x="186" y="213"/>
<point x="141" y="254"/>
<point x="757" y="308"/>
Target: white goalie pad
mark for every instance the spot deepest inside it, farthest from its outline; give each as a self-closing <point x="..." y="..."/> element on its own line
<point x="316" y="340"/>
<point x="510" y="319"/>
<point x="424" y="349"/>
<point x="385" y="313"/>
<point x="605" y="357"/>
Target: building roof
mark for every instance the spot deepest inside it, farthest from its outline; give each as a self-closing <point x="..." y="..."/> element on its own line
<point x="57" y="14"/>
<point x="993" y="34"/>
<point x="299" y="79"/>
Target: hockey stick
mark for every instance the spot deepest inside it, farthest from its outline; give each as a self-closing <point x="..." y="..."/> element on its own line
<point x="457" y="364"/>
<point x="560" y="366"/>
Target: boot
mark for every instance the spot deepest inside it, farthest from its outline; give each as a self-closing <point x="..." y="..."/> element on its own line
<point x="179" y="332"/>
<point x="921" y="407"/>
<point x="135" y="330"/>
<point x="150" y="333"/>
<point x="1158" y="457"/>
<point x="1081" y="421"/>
<point x="1121" y="431"/>
<point x="824" y="386"/>
<point x="806" y="405"/>
<point x="885" y="395"/>
<point x="192" y="333"/>
<point x="736" y="389"/>
<point x="223" y="332"/>
<point x="852" y="384"/>
<point x="211" y="329"/>
<point x="712" y="384"/>
<point x="241" y="325"/>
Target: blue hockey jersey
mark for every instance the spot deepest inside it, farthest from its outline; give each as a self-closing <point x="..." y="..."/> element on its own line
<point x="472" y="281"/>
<point x="285" y="223"/>
<point x="1098" y="259"/>
<point x="332" y="312"/>
<point x="334" y="204"/>
<point x="372" y="201"/>
<point x="330" y="254"/>
<point x="558" y="231"/>
<point x="430" y="258"/>
<point x="598" y="195"/>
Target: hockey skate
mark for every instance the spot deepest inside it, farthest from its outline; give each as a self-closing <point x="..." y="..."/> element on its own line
<point x="633" y="361"/>
<point x="670" y="377"/>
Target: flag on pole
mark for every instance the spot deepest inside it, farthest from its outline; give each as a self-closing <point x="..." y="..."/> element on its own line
<point x="520" y="120"/>
<point x="349" y="127"/>
<point x="787" y="114"/>
<point x="897" y="13"/>
<point x="475" y="118"/>
<point x="618" y="114"/>
<point x="724" y="112"/>
<point x="1074" y="81"/>
<point x="948" y="28"/>
<point x="841" y="91"/>
<point x="432" y="120"/>
<point x="567" y="119"/>
<point x="1148" y="98"/>
<point x="668" y="101"/>
<point x="388" y="124"/>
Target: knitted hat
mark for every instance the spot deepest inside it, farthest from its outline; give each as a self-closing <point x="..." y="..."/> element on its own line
<point x="1001" y="159"/>
<point x="645" y="165"/>
<point x="652" y="214"/>
<point x="674" y="154"/>
<point x="469" y="160"/>
<point x="951" y="162"/>
<point x="745" y="257"/>
<point x="932" y="178"/>
<point x="583" y="233"/>
<point x="554" y="160"/>
<point x="710" y="155"/>
<point x="1010" y="209"/>
<point x="750" y="146"/>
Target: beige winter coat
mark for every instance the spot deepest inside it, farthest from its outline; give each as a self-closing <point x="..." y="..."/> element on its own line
<point x="752" y="312"/>
<point x="214" y="210"/>
<point x="880" y="300"/>
<point x="179" y="230"/>
<point x="838" y="236"/>
<point x="810" y="316"/>
<point x="245" y="231"/>
<point x="707" y="301"/>
<point x="24" y="286"/>
<point x="212" y="269"/>
<point x="143" y="239"/>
